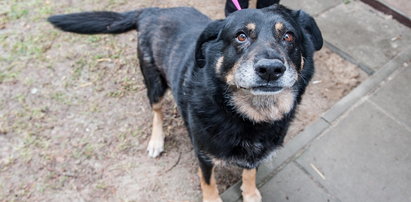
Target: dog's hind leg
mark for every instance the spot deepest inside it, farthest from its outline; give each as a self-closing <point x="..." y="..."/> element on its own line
<point x="156" y="88"/>
<point x="207" y="181"/>
<point x="249" y="188"/>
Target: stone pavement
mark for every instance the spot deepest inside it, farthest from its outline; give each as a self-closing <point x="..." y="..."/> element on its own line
<point x="359" y="150"/>
<point x="403" y="6"/>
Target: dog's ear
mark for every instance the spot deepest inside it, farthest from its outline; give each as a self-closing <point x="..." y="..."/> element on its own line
<point x="309" y="27"/>
<point x="209" y="33"/>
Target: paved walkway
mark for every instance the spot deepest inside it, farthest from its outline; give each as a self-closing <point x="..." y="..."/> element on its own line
<point x="360" y="150"/>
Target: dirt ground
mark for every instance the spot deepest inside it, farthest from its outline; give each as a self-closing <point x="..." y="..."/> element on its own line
<point x="75" y="121"/>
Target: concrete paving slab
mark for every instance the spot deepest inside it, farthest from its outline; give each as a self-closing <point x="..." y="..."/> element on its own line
<point x="395" y="96"/>
<point x="403" y="5"/>
<point x="369" y="37"/>
<point x="313" y="7"/>
<point x="291" y="149"/>
<point x="283" y="156"/>
<point x="365" y="157"/>
<point x="293" y="185"/>
<point x="367" y="86"/>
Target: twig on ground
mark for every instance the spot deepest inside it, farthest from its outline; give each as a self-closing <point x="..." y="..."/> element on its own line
<point x="175" y="164"/>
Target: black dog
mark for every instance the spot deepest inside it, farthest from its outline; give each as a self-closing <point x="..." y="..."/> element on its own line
<point x="236" y="81"/>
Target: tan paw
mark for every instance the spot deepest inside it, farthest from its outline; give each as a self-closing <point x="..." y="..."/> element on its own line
<point x="256" y="197"/>
<point x="155" y="147"/>
<point x="213" y="200"/>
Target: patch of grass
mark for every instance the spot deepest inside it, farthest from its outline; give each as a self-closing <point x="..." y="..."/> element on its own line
<point x="22" y="45"/>
<point x="61" y="181"/>
<point x="346" y="1"/>
<point x="115" y="3"/>
<point x="127" y="86"/>
<point x="28" y="81"/>
<point x="44" y="11"/>
<point x="94" y="108"/>
<point x="94" y="38"/>
<point x="101" y="185"/>
<point x="40" y="187"/>
<point x="21" y="98"/>
<point x="29" y="46"/>
<point x="8" y="161"/>
<point x="99" y="57"/>
<point x="136" y="133"/>
<point x="32" y="140"/>
<point x="7" y="76"/>
<point x="124" y="146"/>
<point x="76" y="153"/>
<point x="25" y="154"/>
<point x="77" y="71"/>
<point x="3" y="38"/>
<point x="39" y="113"/>
<point x="17" y="11"/>
<point x="88" y="151"/>
<point x="116" y="94"/>
<point x="61" y="98"/>
<point x="35" y="9"/>
<point x="20" y="125"/>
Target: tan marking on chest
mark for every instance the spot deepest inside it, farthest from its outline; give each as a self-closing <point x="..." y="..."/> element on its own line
<point x="263" y="108"/>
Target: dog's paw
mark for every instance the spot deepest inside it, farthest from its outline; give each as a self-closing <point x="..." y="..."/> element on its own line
<point x="256" y="197"/>
<point x="213" y="200"/>
<point x="155" y="147"/>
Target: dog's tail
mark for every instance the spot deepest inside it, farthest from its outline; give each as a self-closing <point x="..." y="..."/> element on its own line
<point x="99" y="22"/>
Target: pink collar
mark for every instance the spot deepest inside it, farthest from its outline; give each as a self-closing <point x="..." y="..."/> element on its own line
<point x="236" y="4"/>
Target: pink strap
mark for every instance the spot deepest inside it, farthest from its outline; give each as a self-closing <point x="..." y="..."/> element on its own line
<point x="236" y="4"/>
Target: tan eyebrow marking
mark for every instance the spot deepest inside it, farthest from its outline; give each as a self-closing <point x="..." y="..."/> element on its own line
<point x="279" y="26"/>
<point x="251" y="26"/>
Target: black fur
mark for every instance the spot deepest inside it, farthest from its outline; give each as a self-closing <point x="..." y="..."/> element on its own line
<point x="96" y="22"/>
<point x="178" y="49"/>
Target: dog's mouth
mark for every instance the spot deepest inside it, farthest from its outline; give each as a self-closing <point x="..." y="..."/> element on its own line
<point x="265" y="90"/>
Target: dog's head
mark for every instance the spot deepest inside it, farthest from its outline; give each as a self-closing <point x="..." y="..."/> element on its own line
<point x="259" y="54"/>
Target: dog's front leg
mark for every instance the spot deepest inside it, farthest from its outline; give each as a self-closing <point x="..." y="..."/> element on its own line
<point x="156" y="144"/>
<point x="207" y="181"/>
<point x="249" y="188"/>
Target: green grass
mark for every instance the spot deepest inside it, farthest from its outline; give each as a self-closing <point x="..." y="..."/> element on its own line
<point x="127" y="86"/>
<point x="61" y="98"/>
<point x="8" y="76"/>
<point x="77" y="70"/>
<point x="101" y="185"/>
<point x="94" y="38"/>
<point x="87" y="150"/>
<point x="17" y="11"/>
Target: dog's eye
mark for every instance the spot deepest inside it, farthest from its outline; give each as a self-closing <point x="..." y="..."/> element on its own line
<point x="289" y="37"/>
<point x="241" y="37"/>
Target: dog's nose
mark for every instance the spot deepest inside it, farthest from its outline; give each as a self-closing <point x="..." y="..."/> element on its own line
<point x="269" y="69"/>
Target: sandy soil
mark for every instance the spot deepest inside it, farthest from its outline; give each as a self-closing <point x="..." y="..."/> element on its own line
<point x="75" y="121"/>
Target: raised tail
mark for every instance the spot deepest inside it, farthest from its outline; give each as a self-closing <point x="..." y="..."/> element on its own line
<point x="99" y="22"/>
